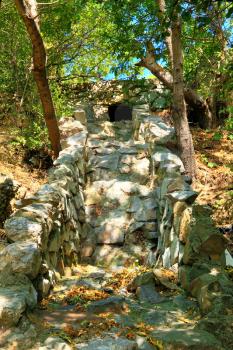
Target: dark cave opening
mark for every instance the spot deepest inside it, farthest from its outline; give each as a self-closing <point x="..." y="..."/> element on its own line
<point x="119" y="111"/>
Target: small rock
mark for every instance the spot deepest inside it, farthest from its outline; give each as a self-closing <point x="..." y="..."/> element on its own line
<point x="183" y="196"/>
<point x="143" y="343"/>
<point x="147" y="293"/>
<point x="144" y="278"/>
<point x="114" y="304"/>
<point x="55" y="343"/>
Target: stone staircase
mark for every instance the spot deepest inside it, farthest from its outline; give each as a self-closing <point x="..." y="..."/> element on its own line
<point x="116" y="208"/>
<point x="119" y="197"/>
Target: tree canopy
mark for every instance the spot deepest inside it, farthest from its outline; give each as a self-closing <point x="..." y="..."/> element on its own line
<point x="88" y="41"/>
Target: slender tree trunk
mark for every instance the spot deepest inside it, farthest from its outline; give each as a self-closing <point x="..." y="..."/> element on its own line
<point x="28" y="11"/>
<point x="168" y="39"/>
<point x="184" y="137"/>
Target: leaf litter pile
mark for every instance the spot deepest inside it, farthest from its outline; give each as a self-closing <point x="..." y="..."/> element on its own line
<point x="81" y="296"/>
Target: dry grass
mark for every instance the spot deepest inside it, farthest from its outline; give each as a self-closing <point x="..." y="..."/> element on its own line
<point x="215" y="184"/>
<point x="12" y="164"/>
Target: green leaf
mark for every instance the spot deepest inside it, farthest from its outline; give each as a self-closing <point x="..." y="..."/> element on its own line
<point x="217" y="136"/>
<point x="229" y="12"/>
<point x="212" y="165"/>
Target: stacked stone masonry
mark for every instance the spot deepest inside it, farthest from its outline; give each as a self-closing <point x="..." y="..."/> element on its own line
<point x="116" y="195"/>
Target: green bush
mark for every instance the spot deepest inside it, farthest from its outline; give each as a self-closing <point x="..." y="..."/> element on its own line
<point x="33" y="137"/>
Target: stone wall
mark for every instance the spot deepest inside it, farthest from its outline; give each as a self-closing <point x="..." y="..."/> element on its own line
<point x="44" y="233"/>
<point x="8" y="190"/>
<point x="188" y="243"/>
<point x="130" y="92"/>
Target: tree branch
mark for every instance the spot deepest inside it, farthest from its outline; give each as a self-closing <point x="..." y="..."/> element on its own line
<point x="168" y="39"/>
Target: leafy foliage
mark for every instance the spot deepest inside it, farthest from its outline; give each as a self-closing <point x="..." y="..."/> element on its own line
<point x="93" y="40"/>
<point x="33" y="136"/>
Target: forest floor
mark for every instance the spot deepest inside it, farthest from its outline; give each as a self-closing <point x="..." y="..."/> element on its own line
<point x="14" y="164"/>
<point x="214" y="181"/>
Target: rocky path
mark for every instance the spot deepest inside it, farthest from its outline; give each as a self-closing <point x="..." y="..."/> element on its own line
<point x="113" y="300"/>
<point x="120" y="208"/>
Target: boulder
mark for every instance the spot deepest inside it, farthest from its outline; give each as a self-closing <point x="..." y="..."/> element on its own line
<point x="187" y="196"/>
<point x="114" y="304"/>
<point x="112" y="229"/>
<point x="80" y="115"/>
<point x="109" y="162"/>
<point x="164" y="155"/>
<point x="22" y="228"/>
<point x="23" y="257"/>
<point x="209" y="288"/>
<point x="140" y="280"/>
<point x="55" y="343"/>
<point x="185" y="339"/>
<point x="16" y="294"/>
<point x="148" y="294"/>
<point x="203" y="238"/>
<point x="108" y="343"/>
<point x="76" y="139"/>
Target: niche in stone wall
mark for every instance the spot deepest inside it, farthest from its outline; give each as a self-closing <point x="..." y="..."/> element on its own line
<point x="119" y="111"/>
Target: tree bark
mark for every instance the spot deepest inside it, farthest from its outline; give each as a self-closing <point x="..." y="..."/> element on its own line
<point x="184" y="137"/>
<point x="168" y="39"/>
<point x="28" y="11"/>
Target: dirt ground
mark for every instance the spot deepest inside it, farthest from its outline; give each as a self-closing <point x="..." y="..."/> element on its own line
<point x="215" y="174"/>
<point x="12" y="163"/>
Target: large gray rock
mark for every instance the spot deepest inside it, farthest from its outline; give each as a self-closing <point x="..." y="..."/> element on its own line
<point x="187" y="196"/>
<point x="12" y="306"/>
<point x="203" y="238"/>
<point x="112" y="229"/>
<point x="140" y="280"/>
<point x="186" y="339"/>
<point x="147" y="293"/>
<point x="110" y="235"/>
<point x="8" y="189"/>
<point x="80" y="115"/>
<point x="21" y="257"/>
<point x="55" y="343"/>
<point x="59" y="172"/>
<point x="16" y="294"/>
<point x="114" y="304"/>
<point x="77" y="139"/>
<point x="48" y="194"/>
<point x="23" y="228"/>
<point x="70" y="126"/>
<point x="136" y="204"/>
<point x="109" y="344"/>
<point x="109" y="161"/>
<point x="164" y="155"/>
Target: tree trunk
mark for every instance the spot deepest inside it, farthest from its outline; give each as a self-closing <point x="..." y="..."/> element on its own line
<point x="168" y="39"/>
<point x="184" y="137"/>
<point x="28" y="11"/>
